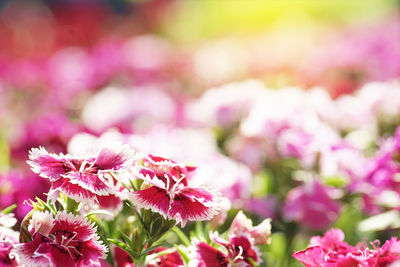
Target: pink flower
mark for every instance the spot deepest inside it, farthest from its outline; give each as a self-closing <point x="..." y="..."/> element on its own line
<point x="67" y="240"/>
<point x="311" y="205"/>
<point x="241" y="224"/>
<point x="263" y="207"/>
<point x="331" y="250"/>
<point x="169" y="193"/>
<point x="80" y="178"/>
<point x="237" y="252"/>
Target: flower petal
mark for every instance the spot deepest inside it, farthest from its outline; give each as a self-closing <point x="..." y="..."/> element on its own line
<point x="193" y="204"/>
<point x="91" y="182"/>
<point x="114" y="158"/>
<point x="154" y="198"/>
<point x="48" y="165"/>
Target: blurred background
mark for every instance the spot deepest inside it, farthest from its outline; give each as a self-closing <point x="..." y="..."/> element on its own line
<point x="265" y="93"/>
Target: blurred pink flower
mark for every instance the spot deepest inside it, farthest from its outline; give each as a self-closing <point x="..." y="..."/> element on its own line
<point x="52" y="131"/>
<point x="265" y="207"/>
<point x="14" y="190"/>
<point x="311" y="206"/>
<point x="380" y="177"/>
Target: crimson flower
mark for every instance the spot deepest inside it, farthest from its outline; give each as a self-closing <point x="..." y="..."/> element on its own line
<point x="169" y="193"/>
<point x="239" y="251"/>
<point x="80" y="178"/>
<point x="67" y="240"/>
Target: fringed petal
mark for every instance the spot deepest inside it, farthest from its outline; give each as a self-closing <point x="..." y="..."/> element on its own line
<point x="154" y="198"/>
<point x="193" y="204"/>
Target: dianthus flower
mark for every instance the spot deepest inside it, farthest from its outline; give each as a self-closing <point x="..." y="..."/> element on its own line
<point x="238" y="251"/>
<point x="169" y="194"/>
<point x="80" y="178"/>
<point x="65" y="240"/>
<point x="331" y="250"/>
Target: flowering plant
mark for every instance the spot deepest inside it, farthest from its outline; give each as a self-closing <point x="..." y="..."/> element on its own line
<point x="151" y="200"/>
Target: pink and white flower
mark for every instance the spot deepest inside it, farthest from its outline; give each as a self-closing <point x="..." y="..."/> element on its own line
<point x="167" y="192"/>
<point x="260" y="233"/>
<point x="66" y="240"/>
<point x="80" y="178"/>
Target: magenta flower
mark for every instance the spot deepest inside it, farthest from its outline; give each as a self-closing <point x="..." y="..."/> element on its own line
<point x="169" y="193"/>
<point x="239" y="251"/>
<point x="311" y="205"/>
<point x="80" y="178"/>
<point x="331" y="250"/>
<point x="67" y="240"/>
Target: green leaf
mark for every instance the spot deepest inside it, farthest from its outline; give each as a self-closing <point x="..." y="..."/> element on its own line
<point x="126" y="238"/>
<point x="122" y="245"/>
